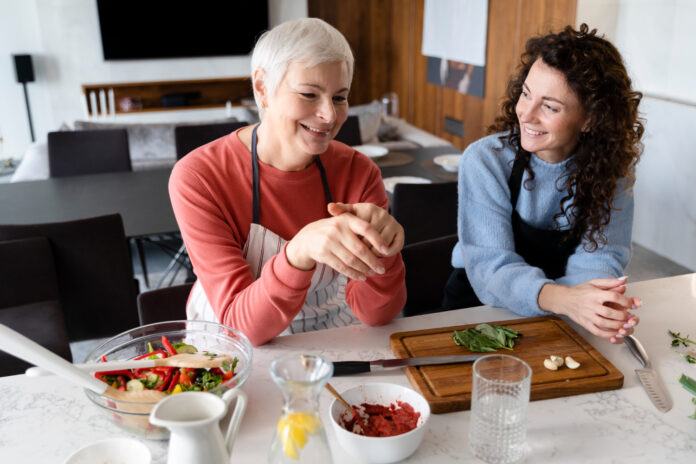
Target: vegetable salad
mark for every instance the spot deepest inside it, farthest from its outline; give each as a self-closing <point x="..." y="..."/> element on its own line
<point x="168" y="379"/>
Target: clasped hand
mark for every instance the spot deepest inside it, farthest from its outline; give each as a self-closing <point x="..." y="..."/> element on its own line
<point x="598" y="305"/>
<point x="351" y="241"/>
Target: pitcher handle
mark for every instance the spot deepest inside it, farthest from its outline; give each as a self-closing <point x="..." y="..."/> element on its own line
<point x="236" y="419"/>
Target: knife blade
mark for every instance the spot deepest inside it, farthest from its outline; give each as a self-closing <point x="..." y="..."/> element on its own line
<point x="358" y="367"/>
<point x="652" y="383"/>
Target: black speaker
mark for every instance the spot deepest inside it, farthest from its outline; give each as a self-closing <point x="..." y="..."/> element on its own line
<point x="24" y="68"/>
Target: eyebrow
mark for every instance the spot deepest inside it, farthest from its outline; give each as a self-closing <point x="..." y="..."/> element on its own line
<point x="545" y="98"/>
<point x="318" y="87"/>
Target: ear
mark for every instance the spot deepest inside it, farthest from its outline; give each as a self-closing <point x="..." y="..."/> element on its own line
<point x="260" y="86"/>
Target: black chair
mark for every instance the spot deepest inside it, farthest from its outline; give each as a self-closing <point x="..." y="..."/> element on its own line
<point x="425" y="211"/>
<point x="428" y="266"/>
<point x="94" y="273"/>
<point x="188" y="138"/>
<point x="350" y="132"/>
<point x="76" y="153"/>
<point x="29" y="301"/>
<point x="165" y="304"/>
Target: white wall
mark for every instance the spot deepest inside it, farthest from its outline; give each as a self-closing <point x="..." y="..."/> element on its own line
<point x="20" y="34"/>
<point x="63" y="38"/>
<point x="658" y="42"/>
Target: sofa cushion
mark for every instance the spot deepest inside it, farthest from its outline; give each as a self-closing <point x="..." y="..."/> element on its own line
<point x="148" y="142"/>
<point x="370" y="118"/>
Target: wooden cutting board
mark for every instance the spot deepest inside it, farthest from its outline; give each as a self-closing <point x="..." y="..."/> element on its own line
<point x="448" y="387"/>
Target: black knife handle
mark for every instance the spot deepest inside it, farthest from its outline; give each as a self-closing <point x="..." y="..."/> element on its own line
<point x="350" y="367"/>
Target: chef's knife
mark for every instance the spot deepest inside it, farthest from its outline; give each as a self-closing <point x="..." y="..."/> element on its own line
<point x="357" y="367"/>
<point x="657" y="392"/>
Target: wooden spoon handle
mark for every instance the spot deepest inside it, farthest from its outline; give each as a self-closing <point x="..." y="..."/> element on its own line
<point x="339" y="398"/>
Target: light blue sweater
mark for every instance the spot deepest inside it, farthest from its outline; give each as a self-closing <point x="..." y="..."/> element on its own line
<point x="486" y="248"/>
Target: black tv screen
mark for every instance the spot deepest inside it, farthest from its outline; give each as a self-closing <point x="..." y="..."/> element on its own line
<point x="138" y="29"/>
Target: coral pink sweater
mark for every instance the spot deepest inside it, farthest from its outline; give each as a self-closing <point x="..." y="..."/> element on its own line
<point x="211" y="193"/>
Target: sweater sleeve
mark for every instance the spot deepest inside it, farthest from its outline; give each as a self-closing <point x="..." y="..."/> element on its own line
<point x="379" y="298"/>
<point x="499" y="276"/>
<point x="260" y="308"/>
<point x="611" y="259"/>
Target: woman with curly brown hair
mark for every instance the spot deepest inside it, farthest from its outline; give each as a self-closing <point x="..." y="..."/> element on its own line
<point x="545" y="203"/>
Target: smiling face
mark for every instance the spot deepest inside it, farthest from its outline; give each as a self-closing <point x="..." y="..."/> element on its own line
<point x="308" y="108"/>
<point x="550" y="114"/>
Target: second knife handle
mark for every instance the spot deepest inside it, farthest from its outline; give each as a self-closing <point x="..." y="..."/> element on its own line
<point x="350" y="367"/>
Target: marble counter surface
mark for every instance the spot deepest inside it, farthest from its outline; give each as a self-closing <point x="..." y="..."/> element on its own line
<point x="45" y="420"/>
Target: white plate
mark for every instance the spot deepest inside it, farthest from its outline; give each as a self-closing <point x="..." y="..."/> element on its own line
<point x="371" y="151"/>
<point x="390" y="182"/>
<point x="112" y="451"/>
<point x="448" y="162"/>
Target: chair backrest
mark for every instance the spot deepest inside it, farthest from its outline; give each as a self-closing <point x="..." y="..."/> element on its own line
<point x="29" y="300"/>
<point x="164" y="304"/>
<point x="350" y="132"/>
<point x="428" y="266"/>
<point x="425" y="210"/>
<point x="94" y="273"/>
<point x="188" y="138"/>
<point x="75" y="153"/>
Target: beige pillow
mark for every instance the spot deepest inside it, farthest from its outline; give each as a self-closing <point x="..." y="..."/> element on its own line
<point x="148" y="141"/>
<point x="369" y="119"/>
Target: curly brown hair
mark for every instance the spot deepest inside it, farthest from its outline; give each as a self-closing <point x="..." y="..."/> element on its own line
<point x="610" y="148"/>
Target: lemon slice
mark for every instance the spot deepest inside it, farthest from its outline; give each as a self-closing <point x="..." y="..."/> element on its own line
<point x="293" y="429"/>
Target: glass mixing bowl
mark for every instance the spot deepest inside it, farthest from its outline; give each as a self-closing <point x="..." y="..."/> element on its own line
<point x="205" y="336"/>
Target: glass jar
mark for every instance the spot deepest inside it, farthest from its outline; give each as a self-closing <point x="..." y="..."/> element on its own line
<point x="299" y="435"/>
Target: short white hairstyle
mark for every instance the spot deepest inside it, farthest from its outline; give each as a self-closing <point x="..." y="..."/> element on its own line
<point x="307" y="40"/>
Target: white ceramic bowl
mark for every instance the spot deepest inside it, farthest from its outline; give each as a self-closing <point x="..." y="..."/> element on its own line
<point x="448" y="162"/>
<point x="372" y="151"/>
<point x="112" y="451"/>
<point x="380" y="449"/>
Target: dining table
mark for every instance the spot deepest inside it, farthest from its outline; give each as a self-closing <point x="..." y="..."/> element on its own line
<point x="45" y="419"/>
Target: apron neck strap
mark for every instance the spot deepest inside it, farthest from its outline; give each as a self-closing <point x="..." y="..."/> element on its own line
<point x="515" y="182"/>
<point x="255" y="177"/>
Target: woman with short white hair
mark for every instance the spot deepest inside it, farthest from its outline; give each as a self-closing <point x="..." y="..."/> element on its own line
<point x="287" y="229"/>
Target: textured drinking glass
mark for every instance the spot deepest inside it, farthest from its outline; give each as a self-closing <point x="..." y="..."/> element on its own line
<point x="499" y="400"/>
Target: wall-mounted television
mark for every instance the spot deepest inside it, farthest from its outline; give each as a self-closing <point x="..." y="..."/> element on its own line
<point x="144" y="29"/>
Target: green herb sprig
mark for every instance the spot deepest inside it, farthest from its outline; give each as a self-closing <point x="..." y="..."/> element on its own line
<point x="677" y="339"/>
<point x="486" y="338"/>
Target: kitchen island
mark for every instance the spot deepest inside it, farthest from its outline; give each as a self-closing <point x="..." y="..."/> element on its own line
<point x="45" y="419"/>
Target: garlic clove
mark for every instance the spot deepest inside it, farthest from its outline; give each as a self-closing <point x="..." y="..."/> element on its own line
<point x="571" y="363"/>
<point x="550" y="365"/>
<point x="557" y="360"/>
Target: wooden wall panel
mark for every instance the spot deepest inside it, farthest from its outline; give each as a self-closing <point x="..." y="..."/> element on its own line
<point x="386" y="37"/>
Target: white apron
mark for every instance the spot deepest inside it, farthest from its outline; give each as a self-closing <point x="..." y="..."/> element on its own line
<point x="325" y="305"/>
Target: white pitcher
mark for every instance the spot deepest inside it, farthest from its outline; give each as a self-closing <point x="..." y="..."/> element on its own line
<point x="193" y="421"/>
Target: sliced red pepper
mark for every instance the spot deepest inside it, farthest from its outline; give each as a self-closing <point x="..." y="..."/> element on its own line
<point x="227" y="375"/>
<point x="168" y="346"/>
<point x="121" y="383"/>
<point x="175" y="381"/>
<point x="103" y="358"/>
<point x="123" y="372"/>
<point x="165" y="382"/>
<point x="154" y="353"/>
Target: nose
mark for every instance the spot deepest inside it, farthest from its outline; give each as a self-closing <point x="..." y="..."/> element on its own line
<point x="326" y="110"/>
<point x="525" y="111"/>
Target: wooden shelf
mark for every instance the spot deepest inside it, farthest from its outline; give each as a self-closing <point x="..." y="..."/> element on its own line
<point x="147" y="96"/>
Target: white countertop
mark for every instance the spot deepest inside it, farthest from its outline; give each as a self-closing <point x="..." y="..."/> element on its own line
<point x="45" y="420"/>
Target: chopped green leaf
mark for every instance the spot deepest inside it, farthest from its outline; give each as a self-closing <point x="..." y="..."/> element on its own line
<point x="486" y="338"/>
<point x="688" y="383"/>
